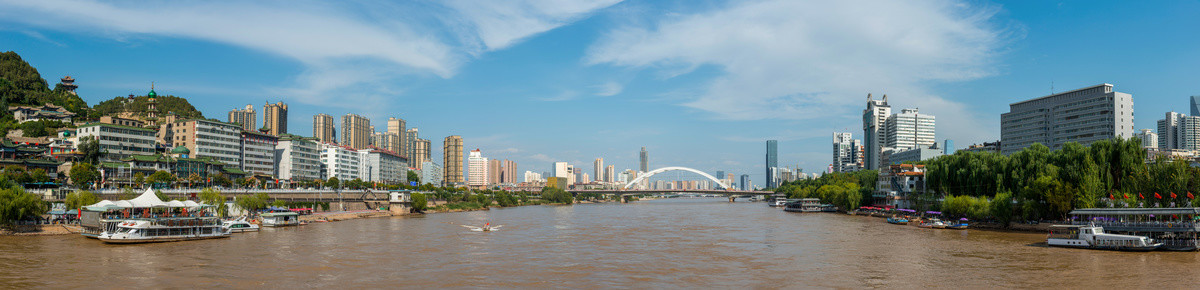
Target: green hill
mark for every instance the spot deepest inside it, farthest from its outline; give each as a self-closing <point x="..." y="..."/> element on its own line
<point x="138" y="105"/>
<point x="21" y="84"/>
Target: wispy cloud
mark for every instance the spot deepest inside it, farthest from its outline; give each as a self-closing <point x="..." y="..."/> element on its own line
<point x="806" y="60"/>
<point x="344" y="46"/>
<point x="609" y="89"/>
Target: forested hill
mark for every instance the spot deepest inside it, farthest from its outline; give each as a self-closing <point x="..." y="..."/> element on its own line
<point x="138" y="105"/>
<point x="21" y="84"/>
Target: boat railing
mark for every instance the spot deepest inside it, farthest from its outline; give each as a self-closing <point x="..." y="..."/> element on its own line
<point x="1149" y="226"/>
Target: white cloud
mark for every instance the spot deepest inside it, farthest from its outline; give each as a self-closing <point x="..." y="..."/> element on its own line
<point x="345" y="46"/>
<point x="806" y="60"/>
<point x="609" y="89"/>
<point x="542" y="157"/>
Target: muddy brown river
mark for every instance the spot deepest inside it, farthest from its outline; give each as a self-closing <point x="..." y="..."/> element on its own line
<point x="673" y="243"/>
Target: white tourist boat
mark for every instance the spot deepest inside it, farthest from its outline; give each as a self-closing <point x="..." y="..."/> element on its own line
<point x="240" y="225"/>
<point x="280" y="219"/>
<point x="147" y="219"/>
<point x="1093" y="237"/>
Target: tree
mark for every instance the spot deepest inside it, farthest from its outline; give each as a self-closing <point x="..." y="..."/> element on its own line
<point x="16" y="204"/>
<point x="128" y="193"/>
<point x="1001" y="208"/>
<point x="213" y="197"/>
<point x="139" y="179"/>
<point x="81" y="198"/>
<point x="89" y="147"/>
<point x="161" y="177"/>
<point x="161" y="196"/>
<point x="413" y="177"/>
<point x="419" y="204"/>
<point x="333" y="183"/>
<point x="194" y="179"/>
<point x="83" y="174"/>
<point x="221" y="180"/>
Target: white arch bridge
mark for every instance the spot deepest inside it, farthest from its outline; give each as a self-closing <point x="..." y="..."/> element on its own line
<point x="674" y="168"/>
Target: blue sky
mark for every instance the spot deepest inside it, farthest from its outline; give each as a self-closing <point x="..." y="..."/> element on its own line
<point x="701" y="84"/>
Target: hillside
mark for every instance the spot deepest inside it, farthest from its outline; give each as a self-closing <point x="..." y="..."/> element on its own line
<point x="138" y="105"/>
<point x="21" y="84"/>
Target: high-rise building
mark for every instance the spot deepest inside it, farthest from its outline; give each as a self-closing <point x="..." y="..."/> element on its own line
<point x="1179" y="131"/>
<point x="1084" y="116"/>
<point x="874" y="117"/>
<point x="645" y="161"/>
<point x="410" y="144"/>
<point x="847" y="153"/>
<point x="598" y="169"/>
<point x="745" y="182"/>
<point x="1168" y="131"/>
<point x="495" y="169"/>
<point x="948" y="148"/>
<point x="477" y="169"/>
<point x="275" y="118"/>
<point x="420" y="151"/>
<point x="610" y="173"/>
<point x="258" y="152"/>
<point x="772" y="161"/>
<point x="564" y="170"/>
<point x="340" y="161"/>
<point x="118" y="142"/>
<point x="356" y="131"/>
<point x="909" y="129"/>
<point x="382" y="166"/>
<point x="399" y="145"/>
<point x="431" y="173"/>
<point x="452" y="160"/>
<point x="508" y="172"/>
<point x="297" y="158"/>
<point x="1149" y="138"/>
<point x="531" y="176"/>
<point x="1195" y="105"/>
<point x="323" y="128"/>
<point x="246" y="118"/>
<point x="387" y="141"/>
<point x="205" y="138"/>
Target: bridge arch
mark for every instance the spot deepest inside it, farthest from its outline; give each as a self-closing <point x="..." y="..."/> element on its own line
<point x="674" y="168"/>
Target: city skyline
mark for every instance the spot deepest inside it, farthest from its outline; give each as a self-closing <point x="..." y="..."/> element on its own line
<point x="673" y="101"/>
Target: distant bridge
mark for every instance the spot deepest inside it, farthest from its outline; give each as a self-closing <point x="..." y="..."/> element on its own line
<point x="647" y="175"/>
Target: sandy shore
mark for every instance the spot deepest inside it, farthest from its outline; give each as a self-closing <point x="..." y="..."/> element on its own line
<point x="343" y="215"/>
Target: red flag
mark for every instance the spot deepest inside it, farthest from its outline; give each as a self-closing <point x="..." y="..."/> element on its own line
<point x="1173" y="194"/>
<point x="1190" y="195"/>
<point x="1126" y="195"/>
<point x="1157" y="196"/>
<point x="1110" y="196"/>
<point x="1141" y="196"/>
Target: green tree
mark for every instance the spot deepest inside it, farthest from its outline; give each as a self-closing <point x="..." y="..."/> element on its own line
<point x="161" y="196"/>
<point x="161" y="177"/>
<point x="414" y="177"/>
<point x="81" y="198"/>
<point x="213" y="197"/>
<point x="139" y="179"/>
<point x="333" y="183"/>
<point x="1001" y="208"/>
<point x="128" y="193"/>
<point x="89" y="147"/>
<point x="419" y="203"/>
<point x="83" y="174"/>
<point x="221" y="180"/>
<point x="16" y="204"/>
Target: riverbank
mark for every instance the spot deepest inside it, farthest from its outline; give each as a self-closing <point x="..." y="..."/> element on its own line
<point x="39" y="230"/>
<point x="1012" y="227"/>
<point x="343" y="215"/>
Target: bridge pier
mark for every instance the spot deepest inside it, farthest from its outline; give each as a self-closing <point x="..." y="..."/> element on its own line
<point x="732" y="198"/>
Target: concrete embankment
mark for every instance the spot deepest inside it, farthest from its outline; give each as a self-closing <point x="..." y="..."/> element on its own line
<point x="39" y="230"/>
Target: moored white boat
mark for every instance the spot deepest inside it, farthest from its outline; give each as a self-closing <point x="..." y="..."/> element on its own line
<point x="280" y="219"/>
<point x="165" y="230"/>
<point x="240" y="225"/>
<point x="1093" y="237"/>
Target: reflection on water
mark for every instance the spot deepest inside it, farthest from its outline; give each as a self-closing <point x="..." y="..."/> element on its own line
<point x="665" y="243"/>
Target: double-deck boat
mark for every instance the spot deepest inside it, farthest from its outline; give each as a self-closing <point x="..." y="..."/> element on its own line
<point x="148" y="219"/>
<point x="807" y="205"/>
<point x="1093" y="237"/>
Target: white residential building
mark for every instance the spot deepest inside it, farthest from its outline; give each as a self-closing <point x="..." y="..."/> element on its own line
<point x="340" y="161"/>
<point x="258" y="153"/>
<point x="909" y="129"/>
<point x="847" y="153"/>
<point x="206" y="138"/>
<point x="297" y="158"/>
<point x="431" y="173"/>
<point x="874" y="117"/>
<point x="477" y="169"/>
<point x="1149" y="138"/>
<point x="116" y="141"/>
<point x="382" y="166"/>
<point x="531" y="176"/>
<point x="1085" y="115"/>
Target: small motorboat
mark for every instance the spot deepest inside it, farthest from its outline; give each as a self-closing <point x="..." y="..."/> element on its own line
<point x="961" y="225"/>
<point x="239" y="225"/>
<point x="897" y="220"/>
<point x="485" y="228"/>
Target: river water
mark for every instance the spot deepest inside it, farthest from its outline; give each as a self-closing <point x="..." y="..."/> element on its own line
<point x="674" y="243"/>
